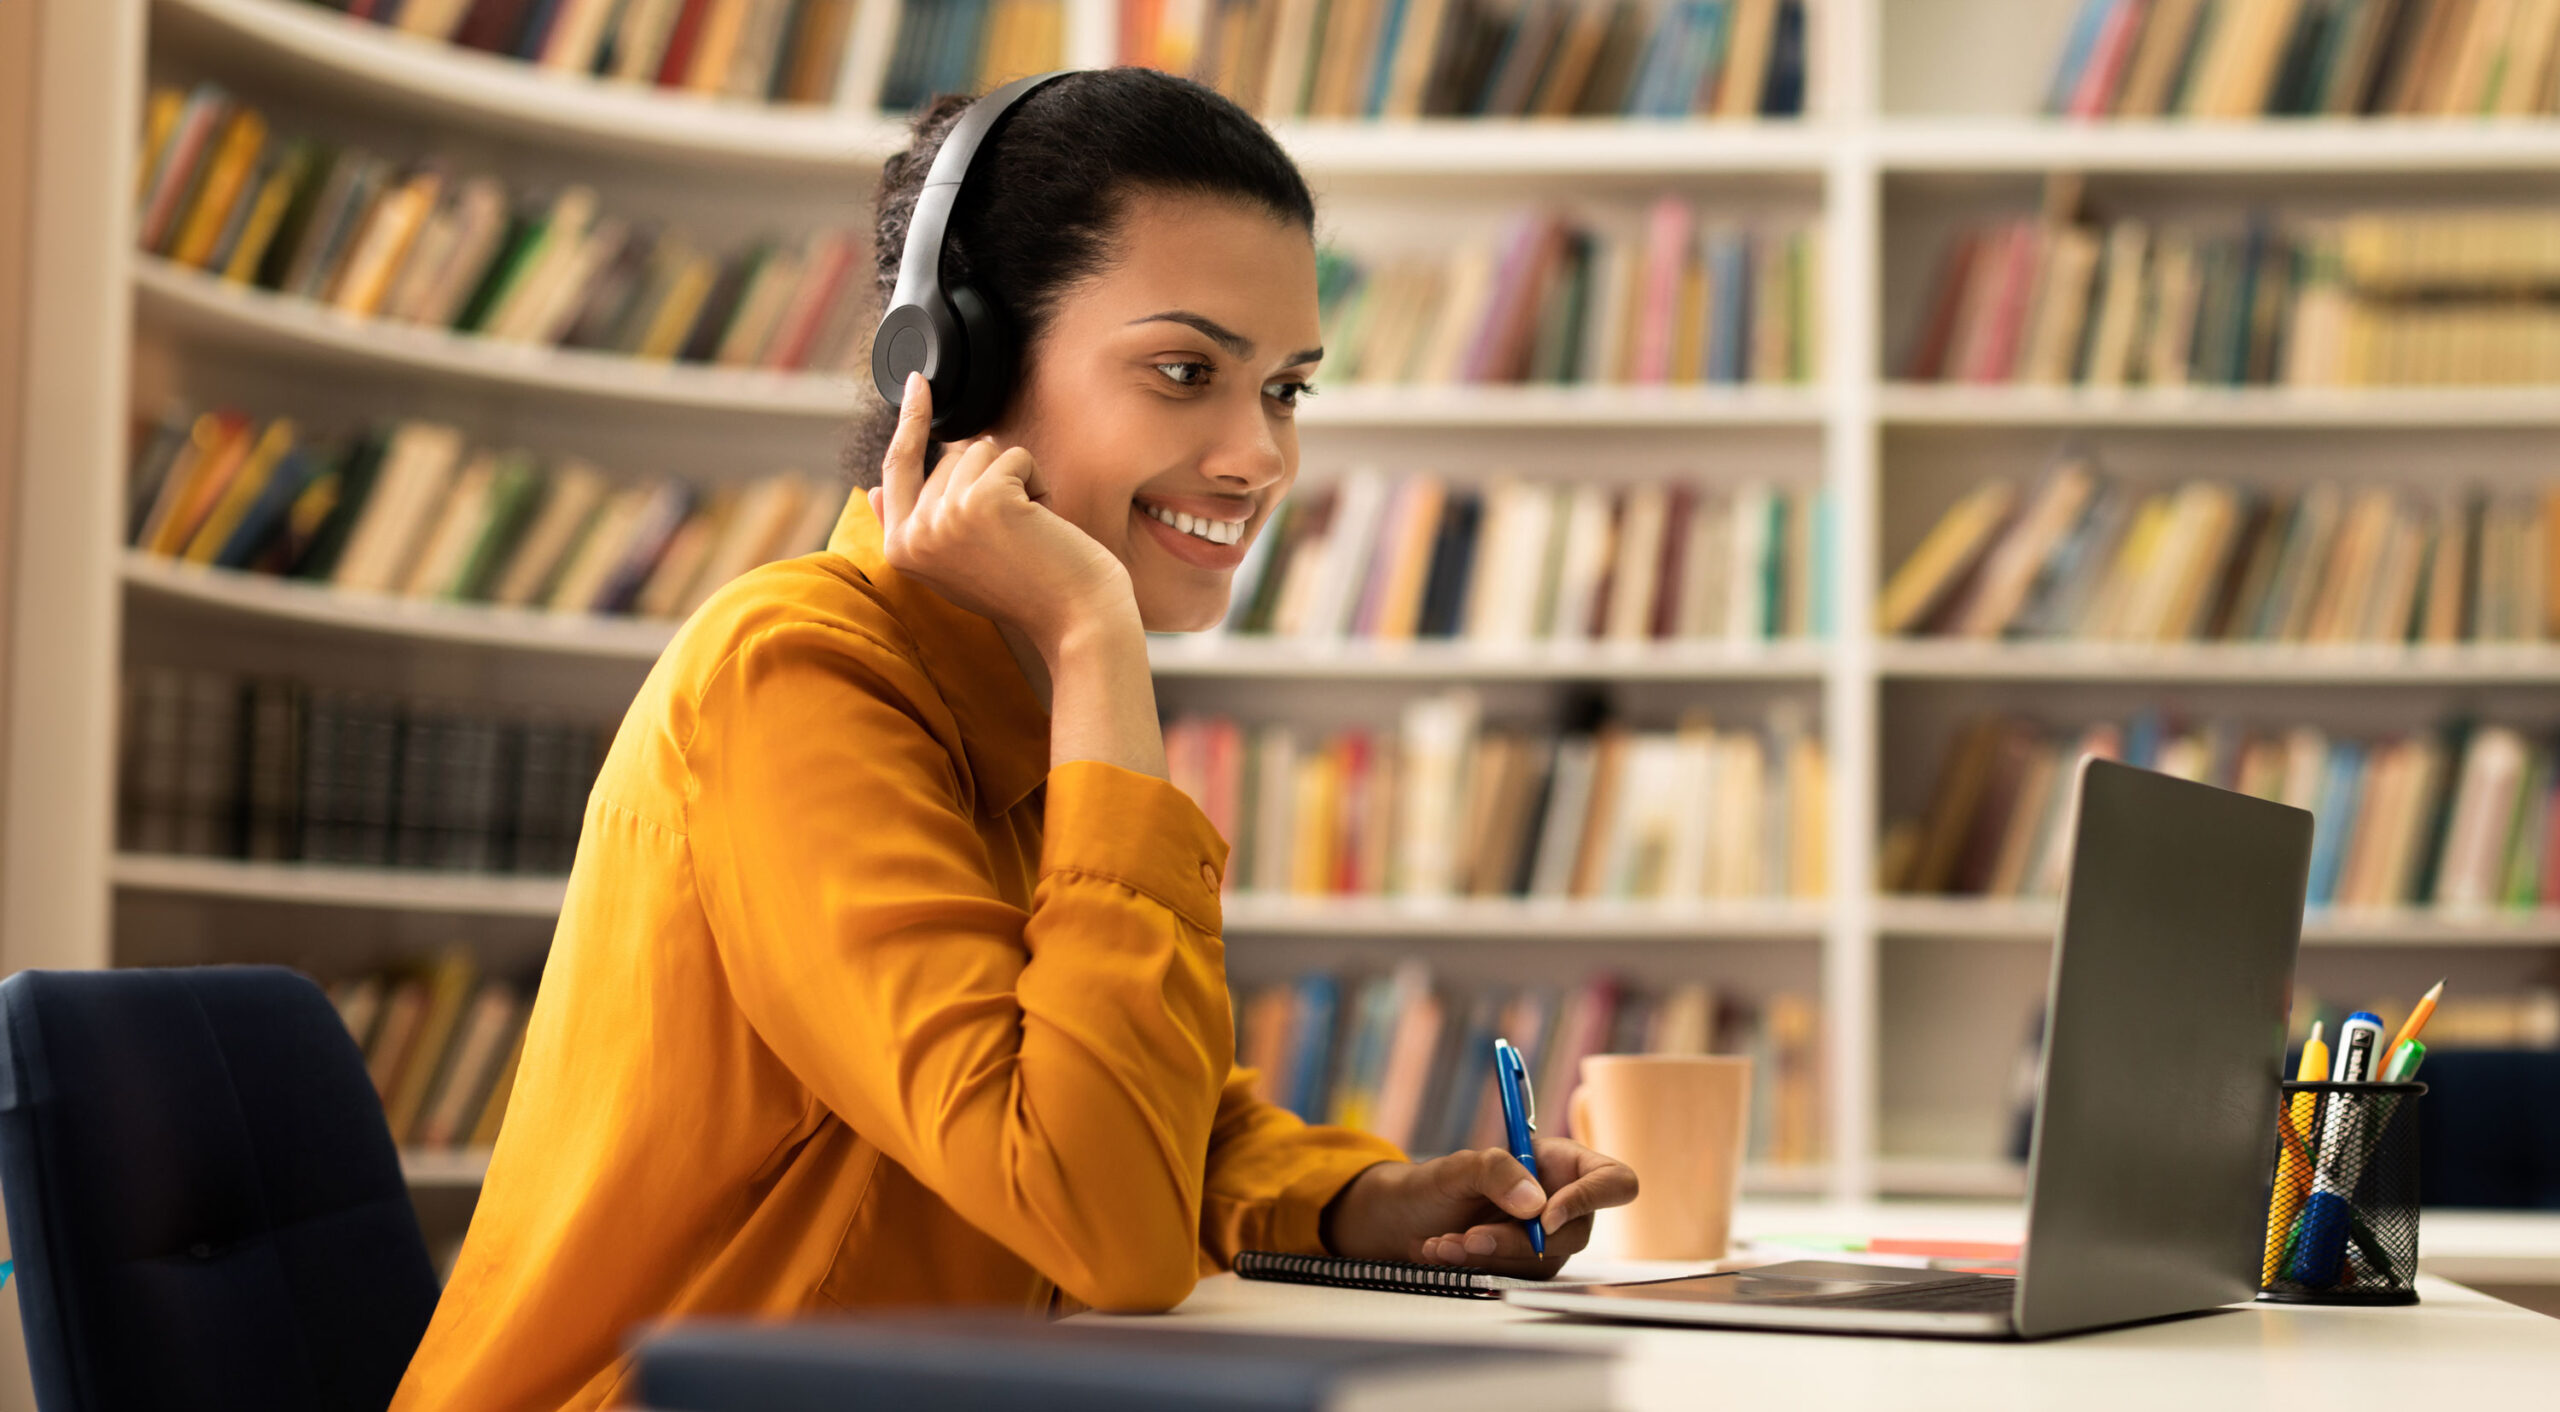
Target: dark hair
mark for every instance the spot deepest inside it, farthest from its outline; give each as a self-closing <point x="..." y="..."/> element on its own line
<point x="1048" y="192"/>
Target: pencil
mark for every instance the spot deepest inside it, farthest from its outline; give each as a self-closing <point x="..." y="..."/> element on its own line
<point x="2417" y="1021"/>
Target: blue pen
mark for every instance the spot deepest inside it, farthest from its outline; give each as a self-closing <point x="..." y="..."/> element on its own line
<point x="1519" y="1121"/>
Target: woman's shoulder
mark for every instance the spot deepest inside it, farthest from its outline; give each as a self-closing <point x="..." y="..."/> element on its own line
<point x="815" y="603"/>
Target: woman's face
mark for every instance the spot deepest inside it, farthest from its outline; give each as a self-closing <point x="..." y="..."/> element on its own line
<point x="1163" y="395"/>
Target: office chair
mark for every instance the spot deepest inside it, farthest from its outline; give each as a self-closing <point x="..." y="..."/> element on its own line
<point x="203" y="1199"/>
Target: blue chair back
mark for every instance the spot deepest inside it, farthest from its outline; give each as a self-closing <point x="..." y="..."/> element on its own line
<point x="204" y="1203"/>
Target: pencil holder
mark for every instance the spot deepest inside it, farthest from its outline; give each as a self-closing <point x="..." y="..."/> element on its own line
<point x="2342" y="1214"/>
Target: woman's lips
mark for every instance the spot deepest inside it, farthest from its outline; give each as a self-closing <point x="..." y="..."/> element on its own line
<point x="1189" y="548"/>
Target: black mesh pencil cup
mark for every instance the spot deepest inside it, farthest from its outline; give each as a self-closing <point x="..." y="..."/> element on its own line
<point x="2342" y="1212"/>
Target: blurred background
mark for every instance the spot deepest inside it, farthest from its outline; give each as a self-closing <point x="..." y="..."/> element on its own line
<point x="1762" y="444"/>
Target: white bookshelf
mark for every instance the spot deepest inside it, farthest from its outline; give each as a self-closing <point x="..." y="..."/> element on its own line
<point x="219" y="318"/>
<point x="1918" y="126"/>
<point x="419" y="890"/>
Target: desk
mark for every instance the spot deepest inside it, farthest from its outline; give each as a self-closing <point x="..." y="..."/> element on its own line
<point x="2455" y="1348"/>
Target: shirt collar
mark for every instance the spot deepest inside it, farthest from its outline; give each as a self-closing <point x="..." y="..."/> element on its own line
<point x="1003" y="727"/>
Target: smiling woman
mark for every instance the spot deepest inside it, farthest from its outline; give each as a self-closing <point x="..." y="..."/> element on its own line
<point x="890" y="968"/>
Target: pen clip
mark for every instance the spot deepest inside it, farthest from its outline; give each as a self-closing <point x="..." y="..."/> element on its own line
<point x="1508" y="1055"/>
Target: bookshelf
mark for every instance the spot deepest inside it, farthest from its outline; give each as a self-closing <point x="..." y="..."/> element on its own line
<point x="1919" y="123"/>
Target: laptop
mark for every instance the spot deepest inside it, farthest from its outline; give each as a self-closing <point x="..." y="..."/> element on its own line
<point x="2155" y="1123"/>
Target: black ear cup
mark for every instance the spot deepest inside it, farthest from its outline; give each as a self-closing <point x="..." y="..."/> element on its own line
<point x="917" y="338"/>
<point x="983" y="374"/>
<point x="960" y="341"/>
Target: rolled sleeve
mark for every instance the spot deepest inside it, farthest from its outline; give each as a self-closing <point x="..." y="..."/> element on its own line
<point x="1271" y="1175"/>
<point x="1136" y="830"/>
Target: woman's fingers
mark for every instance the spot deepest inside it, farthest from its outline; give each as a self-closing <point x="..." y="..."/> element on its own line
<point x="1496" y="1176"/>
<point x="902" y="468"/>
<point x="1596" y="1183"/>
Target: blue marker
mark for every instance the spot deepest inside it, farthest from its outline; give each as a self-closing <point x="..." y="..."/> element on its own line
<point x="2320" y="1242"/>
<point x="1519" y="1122"/>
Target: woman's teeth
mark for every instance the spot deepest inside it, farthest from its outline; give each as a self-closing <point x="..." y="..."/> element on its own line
<point x="1214" y="531"/>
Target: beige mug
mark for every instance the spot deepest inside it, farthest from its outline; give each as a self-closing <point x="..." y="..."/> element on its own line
<point x="1679" y="1121"/>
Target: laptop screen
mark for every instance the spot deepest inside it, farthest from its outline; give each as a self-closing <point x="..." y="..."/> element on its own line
<point x="2164" y="1048"/>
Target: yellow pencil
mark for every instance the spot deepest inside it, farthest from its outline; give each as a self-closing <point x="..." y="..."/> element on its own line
<point x="2293" y="1177"/>
<point x="2417" y="1021"/>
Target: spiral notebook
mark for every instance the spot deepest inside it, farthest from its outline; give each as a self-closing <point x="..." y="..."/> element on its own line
<point x="1452" y="1281"/>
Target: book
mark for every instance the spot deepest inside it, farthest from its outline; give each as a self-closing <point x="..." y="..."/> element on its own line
<point x="1528" y="562"/>
<point x="2091" y="557"/>
<point x="2454" y="817"/>
<point x="1448" y="804"/>
<point x="406" y="508"/>
<point x="2366" y="298"/>
<point x="1462" y="58"/>
<point x="226" y="193"/>
<point x="2344" y="58"/>
<point x="223" y="765"/>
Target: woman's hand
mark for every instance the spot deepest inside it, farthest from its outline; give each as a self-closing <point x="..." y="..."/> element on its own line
<point x="977" y="533"/>
<point x="1466" y="1208"/>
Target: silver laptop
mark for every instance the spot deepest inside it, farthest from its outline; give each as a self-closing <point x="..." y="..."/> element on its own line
<point x="2155" y="1123"/>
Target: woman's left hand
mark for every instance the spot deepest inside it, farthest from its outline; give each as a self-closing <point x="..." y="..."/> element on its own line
<point x="1466" y="1208"/>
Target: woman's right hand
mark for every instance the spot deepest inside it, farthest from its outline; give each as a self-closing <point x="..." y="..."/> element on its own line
<point x="977" y="531"/>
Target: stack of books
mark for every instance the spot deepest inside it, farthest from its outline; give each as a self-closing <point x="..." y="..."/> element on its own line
<point x="2461" y="817"/>
<point x="969" y="46"/>
<point x="217" y="765"/>
<point x="1479" y="58"/>
<point x="442" y="1045"/>
<point x="2338" y="58"/>
<point x="2083" y="555"/>
<point x="776" y="51"/>
<point x="2377" y="299"/>
<point x="1690" y="300"/>
<point x="407" y="509"/>
<point x="1412" y="1060"/>
<point x="1513" y="561"/>
<point x="1447" y="806"/>
<point x="418" y="243"/>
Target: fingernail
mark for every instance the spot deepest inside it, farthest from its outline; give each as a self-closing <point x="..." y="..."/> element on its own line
<point x="1479" y="1244"/>
<point x="907" y="393"/>
<point x="1523" y="1198"/>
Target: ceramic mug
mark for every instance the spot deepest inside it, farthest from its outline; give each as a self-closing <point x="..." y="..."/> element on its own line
<point x="1679" y="1120"/>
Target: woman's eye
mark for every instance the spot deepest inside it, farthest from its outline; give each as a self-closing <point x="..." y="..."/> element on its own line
<point x="1288" y="393"/>
<point x="1185" y="374"/>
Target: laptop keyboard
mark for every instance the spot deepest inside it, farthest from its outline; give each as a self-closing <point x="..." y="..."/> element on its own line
<point x="1974" y="1294"/>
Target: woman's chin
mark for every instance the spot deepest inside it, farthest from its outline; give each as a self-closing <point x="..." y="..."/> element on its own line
<point x="1188" y="612"/>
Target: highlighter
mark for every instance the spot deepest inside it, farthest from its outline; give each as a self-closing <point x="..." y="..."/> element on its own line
<point x="2301" y="1115"/>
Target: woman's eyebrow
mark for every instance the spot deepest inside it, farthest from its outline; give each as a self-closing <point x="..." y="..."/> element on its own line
<point x="1236" y="344"/>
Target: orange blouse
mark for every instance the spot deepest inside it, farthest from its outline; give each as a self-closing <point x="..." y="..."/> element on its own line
<point x="855" y="1001"/>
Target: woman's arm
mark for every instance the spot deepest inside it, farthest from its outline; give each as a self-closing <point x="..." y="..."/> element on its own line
<point x="976" y="531"/>
<point x="1054" y="1075"/>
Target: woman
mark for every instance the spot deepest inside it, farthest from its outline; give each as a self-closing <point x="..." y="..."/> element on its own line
<point x="890" y="968"/>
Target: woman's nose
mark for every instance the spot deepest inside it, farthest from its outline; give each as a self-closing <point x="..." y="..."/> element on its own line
<point x="1247" y="454"/>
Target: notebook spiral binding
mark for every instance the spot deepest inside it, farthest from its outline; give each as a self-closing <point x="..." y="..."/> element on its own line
<point x="1449" y="1280"/>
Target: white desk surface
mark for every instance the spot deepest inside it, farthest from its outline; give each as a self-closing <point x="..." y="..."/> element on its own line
<point x="2454" y="1348"/>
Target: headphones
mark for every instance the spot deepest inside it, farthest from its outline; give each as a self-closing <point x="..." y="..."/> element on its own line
<point x="955" y="337"/>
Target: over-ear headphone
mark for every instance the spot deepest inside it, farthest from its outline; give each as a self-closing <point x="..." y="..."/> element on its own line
<point x="955" y="337"/>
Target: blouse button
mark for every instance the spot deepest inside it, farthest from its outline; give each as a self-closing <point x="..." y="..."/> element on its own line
<point x="1209" y="877"/>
